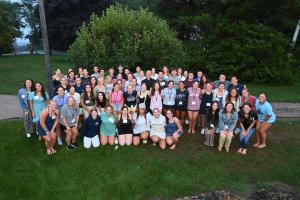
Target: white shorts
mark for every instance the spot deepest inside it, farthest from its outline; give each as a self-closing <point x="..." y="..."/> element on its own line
<point x="88" y="142"/>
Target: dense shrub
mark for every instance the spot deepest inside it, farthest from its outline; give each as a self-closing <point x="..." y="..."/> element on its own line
<point x="126" y="37"/>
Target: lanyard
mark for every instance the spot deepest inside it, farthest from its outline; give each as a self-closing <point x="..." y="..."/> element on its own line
<point x="194" y="94"/>
<point x="116" y="97"/>
<point x="170" y="94"/>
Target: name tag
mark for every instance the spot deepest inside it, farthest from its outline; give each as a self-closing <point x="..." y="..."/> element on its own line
<point x="217" y="99"/>
<point x="124" y="121"/>
<point x="212" y="125"/>
<point x="226" y="127"/>
<point x="162" y="83"/>
<point x="53" y="116"/>
<point x="111" y="120"/>
<point x="87" y="101"/>
<point x="207" y="104"/>
<point x="180" y="103"/>
<point x="23" y="96"/>
<point x="193" y="102"/>
<point x="97" y="123"/>
<point x="36" y="97"/>
<point x="73" y="120"/>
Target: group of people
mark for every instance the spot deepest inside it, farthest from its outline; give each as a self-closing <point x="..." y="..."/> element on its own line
<point x="127" y="108"/>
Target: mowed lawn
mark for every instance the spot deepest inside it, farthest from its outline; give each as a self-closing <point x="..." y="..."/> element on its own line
<point x="14" y="69"/>
<point x="143" y="172"/>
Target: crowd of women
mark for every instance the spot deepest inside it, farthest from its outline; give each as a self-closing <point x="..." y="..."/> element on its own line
<point x="127" y="108"/>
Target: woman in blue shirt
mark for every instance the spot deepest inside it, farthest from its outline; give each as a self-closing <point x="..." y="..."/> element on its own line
<point x="227" y="123"/>
<point x="92" y="130"/>
<point x="60" y="99"/>
<point x="169" y="94"/>
<point x="266" y="118"/>
<point x="24" y="102"/>
<point x="38" y="101"/>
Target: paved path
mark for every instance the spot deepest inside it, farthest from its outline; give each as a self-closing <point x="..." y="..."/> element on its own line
<point x="9" y="108"/>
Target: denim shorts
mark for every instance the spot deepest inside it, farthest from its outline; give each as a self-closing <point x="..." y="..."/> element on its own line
<point x="117" y="107"/>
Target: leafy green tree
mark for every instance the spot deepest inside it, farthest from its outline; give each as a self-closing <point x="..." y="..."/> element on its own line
<point x="10" y="24"/>
<point x="30" y="14"/>
<point x="126" y="37"/>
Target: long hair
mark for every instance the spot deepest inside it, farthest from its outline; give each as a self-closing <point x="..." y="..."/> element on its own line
<point x="42" y="90"/>
<point x="32" y="84"/>
<point x="210" y="114"/>
<point x="225" y="107"/>
<point x="229" y="94"/>
<point x="85" y="95"/>
<point x="103" y="103"/>
<point x="170" y="110"/>
<point x="153" y="90"/>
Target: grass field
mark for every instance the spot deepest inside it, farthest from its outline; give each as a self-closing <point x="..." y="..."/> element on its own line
<point x="142" y="172"/>
<point x="14" y="69"/>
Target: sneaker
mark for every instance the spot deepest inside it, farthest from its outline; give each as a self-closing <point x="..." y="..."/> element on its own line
<point x="59" y="141"/>
<point x="74" y="145"/>
<point x="202" y="131"/>
<point x="145" y="141"/>
<point x="28" y="135"/>
<point x="70" y="147"/>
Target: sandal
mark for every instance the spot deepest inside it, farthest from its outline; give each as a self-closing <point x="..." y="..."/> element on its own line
<point x="261" y="146"/>
<point x="173" y="146"/>
<point x="244" y="152"/>
<point x="256" y="145"/>
<point x="240" y="150"/>
<point x="53" y="151"/>
<point x="49" y="152"/>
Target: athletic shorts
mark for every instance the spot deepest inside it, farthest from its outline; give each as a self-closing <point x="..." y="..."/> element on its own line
<point x="88" y="142"/>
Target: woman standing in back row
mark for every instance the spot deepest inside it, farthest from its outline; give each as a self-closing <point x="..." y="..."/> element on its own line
<point x="38" y="101"/>
<point x="24" y="102"/>
<point x="193" y="105"/>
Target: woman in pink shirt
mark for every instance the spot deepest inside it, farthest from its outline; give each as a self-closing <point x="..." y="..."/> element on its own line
<point x="156" y="99"/>
<point x="116" y="98"/>
<point x="193" y="105"/>
<point x="247" y="98"/>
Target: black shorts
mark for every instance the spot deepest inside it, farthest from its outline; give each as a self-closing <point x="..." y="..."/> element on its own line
<point x="137" y="135"/>
<point x="169" y="107"/>
<point x="63" y="128"/>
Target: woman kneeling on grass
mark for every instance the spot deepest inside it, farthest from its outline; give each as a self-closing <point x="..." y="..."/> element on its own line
<point x="108" y="126"/>
<point x="247" y="120"/>
<point x="46" y="126"/>
<point x="157" y="129"/>
<point x="92" y="130"/>
<point x="227" y="123"/>
<point x="211" y="121"/>
<point x="69" y="117"/>
<point x="173" y="129"/>
<point x="125" y="127"/>
<point x="141" y="127"/>
<point x="266" y="118"/>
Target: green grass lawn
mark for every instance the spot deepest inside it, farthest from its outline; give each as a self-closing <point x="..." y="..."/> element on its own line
<point x="143" y="172"/>
<point x="14" y="69"/>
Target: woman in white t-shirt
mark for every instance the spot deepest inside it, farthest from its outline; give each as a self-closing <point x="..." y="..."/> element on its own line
<point x="141" y="126"/>
<point x="157" y="124"/>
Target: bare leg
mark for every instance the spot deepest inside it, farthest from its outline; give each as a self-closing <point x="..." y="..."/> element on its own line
<point x="162" y="144"/>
